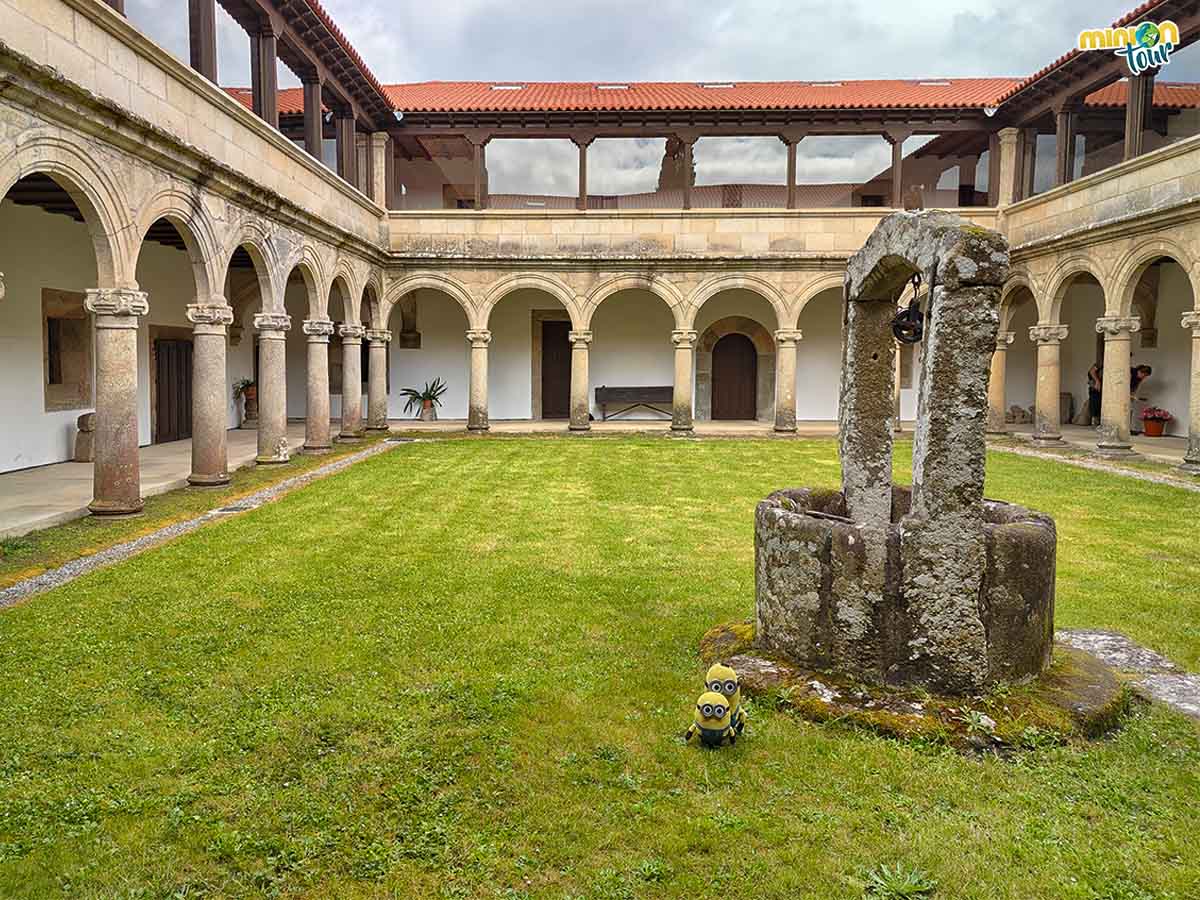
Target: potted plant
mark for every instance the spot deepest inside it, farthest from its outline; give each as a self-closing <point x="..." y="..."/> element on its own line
<point x="1154" y="421"/>
<point x="426" y="400"/>
<point x="247" y="391"/>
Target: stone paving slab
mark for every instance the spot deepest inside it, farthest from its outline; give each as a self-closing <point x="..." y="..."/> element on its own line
<point x="1157" y="677"/>
<point x="78" y="567"/>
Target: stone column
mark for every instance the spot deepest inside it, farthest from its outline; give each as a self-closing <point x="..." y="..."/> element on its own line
<point x="352" y="417"/>
<point x="1009" y="166"/>
<point x="1047" y="430"/>
<point x="116" y="473"/>
<point x="1114" y="406"/>
<point x="210" y="411"/>
<point x="786" y="341"/>
<point x="477" y="410"/>
<point x="681" y="404"/>
<point x="996" y="383"/>
<point x="378" y="150"/>
<point x="580" y="407"/>
<point x="317" y="429"/>
<point x="1191" y="459"/>
<point x="272" y="387"/>
<point x="377" y="392"/>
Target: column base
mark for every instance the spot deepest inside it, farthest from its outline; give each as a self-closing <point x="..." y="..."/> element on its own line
<point x="316" y="449"/>
<point x="682" y="431"/>
<point x="1190" y="467"/>
<point x="271" y="461"/>
<point x="349" y="438"/>
<point x="1116" y="451"/>
<point x="1049" y="440"/>
<point x="478" y="429"/>
<point x="785" y="429"/>
<point x="378" y="429"/>
<point x="112" y="509"/>
<point x="208" y="481"/>
<point x="579" y="429"/>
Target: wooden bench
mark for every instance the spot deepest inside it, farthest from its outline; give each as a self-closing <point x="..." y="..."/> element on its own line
<point x="630" y="398"/>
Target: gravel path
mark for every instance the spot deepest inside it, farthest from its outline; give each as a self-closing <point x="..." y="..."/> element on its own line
<point x="85" y="564"/>
<point x="1157" y="677"/>
<point x="1099" y="466"/>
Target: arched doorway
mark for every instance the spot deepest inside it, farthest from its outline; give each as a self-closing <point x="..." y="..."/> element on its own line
<point x="734" y="378"/>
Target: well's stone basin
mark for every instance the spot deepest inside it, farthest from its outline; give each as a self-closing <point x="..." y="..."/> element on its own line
<point x="831" y="594"/>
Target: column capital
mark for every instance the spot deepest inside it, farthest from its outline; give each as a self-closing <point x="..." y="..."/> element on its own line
<point x="210" y="318"/>
<point x="349" y="332"/>
<point x="1004" y="338"/>
<point x="272" y="322"/>
<point x="684" y="338"/>
<point x="1118" y="326"/>
<point x="1" y="285"/>
<point x="788" y="337"/>
<point x="578" y="338"/>
<point x="1048" y="334"/>
<point x="321" y="329"/>
<point x="116" y="302"/>
<point x="1008" y="135"/>
<point x="378" y="139"/>
<point x="1191" y="319"/>
<point x="378" y="335"/>
<point x="479" y="338"/>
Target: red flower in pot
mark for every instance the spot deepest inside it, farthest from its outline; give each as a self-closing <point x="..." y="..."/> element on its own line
<point x="1154" y="421"/>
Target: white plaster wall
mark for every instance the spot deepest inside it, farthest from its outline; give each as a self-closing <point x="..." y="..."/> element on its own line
<point x="295" y="304"/>
<point x="631" y="346"/>
<point x="423" y="180"/>
<point x="40" y="250"/>
<point x="444" y="354"/>
<point x="1020" y="375"/>
<point x="1168" y="386"/>
<point x="510" y="362"/>
<point x="1082" y="305"/>
<point x="819" y="358"/>
<point x="737" y="303"/>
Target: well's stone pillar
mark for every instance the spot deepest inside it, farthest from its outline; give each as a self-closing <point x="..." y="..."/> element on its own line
<point x="1191" y="459"/>
<point x="786" y="341"/>
<point x="580" y="408"/>
<point x="997" y="383"/>
<point x="1047" y="429"/>
<point x="477" y="410"/>
<point x="1114" y="406"/>
<point x="352" y="417"/>
<point x="317" y="429"/>
<point x="116" y="475"/>
<point x="865" y="429"/>
<point x="272" y="387"/>
<point x="377" y="393"/>
<point x="681" y="403"/>
<point x="210" y="412"/>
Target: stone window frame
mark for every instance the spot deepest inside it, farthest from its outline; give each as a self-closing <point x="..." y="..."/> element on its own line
<point x="76" y="394"/>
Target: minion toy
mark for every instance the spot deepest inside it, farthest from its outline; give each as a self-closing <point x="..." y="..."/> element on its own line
<point x="722" y="679"/>
<point x="711" y="721"/>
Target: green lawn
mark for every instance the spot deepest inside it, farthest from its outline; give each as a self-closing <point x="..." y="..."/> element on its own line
<point x="462" y="669"/>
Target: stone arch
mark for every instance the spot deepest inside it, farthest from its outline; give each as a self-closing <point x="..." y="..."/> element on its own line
<point x="373" y="286"/>
<point x="737" y="282"/>
<point x="435" y="281"/>
<point x="812" y="291"/>
<point x="764" y="345"/>
<point x="185" y="213"/>
<point x="309" y="271"/>
<point x="93" y="191"/>
<point x="1066" y="273"/>
<point x="1133" y="266"/>
<point x="348" y="313"/>
<point x="1017" y="281"/>
<point x="655" y="284"/>
<point x="253" y="236"/>
<point x="545" y="283"/>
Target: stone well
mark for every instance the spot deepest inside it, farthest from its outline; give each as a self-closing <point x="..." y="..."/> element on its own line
<point x="935" y="586"/>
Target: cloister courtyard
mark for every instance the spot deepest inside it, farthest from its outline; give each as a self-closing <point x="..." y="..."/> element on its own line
<point x="463" y="667"/>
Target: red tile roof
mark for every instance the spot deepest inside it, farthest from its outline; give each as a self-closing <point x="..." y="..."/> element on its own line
<point x="1167" y="95"/>
<point x="484" y="96"/>
<point x="329" y="24"/>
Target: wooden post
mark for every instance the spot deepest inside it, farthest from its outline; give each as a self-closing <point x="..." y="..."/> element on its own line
<point x="583" y="142"/>
<point x="313" y="121"/>
<point x="1138" y="107"/>
<point x="347" y="149"/>
<point x="897" y="139"/>
<point x="389" y="174"/>
<point x="792" y="144"/>
<point x="1028" y="162"/>
<point x="1064" y="139"/>
<point x="688" y="143"/>
<point x="993" y="169"/>
<point x="479" y="150"/>
<point x="202" y="33"/>
<point x="264" y="78"/>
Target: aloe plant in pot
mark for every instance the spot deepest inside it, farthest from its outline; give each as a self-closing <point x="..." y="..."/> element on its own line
<point x="426" y="400"/>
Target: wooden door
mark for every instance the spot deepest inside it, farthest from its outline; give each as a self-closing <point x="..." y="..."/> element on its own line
<point x="734" y="378"/>
<point x="173" y="387"/>
<point x="556" y="370"/>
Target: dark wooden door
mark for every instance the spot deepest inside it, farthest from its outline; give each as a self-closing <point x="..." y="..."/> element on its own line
<point x="173" y="386"/>
<point x="734" y="378"/>
<point x="556" y="370"/>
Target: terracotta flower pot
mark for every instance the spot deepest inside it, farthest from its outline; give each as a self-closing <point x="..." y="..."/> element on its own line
<point x="1154" y="427"/>
<point x="428" y="413"/>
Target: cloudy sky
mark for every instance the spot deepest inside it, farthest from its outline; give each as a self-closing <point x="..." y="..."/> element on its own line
<point x="669" y="40"/>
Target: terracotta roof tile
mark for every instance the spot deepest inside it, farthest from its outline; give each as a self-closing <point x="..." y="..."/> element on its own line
<point x="1167" y="95"/>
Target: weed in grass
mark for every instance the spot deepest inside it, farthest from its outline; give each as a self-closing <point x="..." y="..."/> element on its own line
<point x="898" y="882"/>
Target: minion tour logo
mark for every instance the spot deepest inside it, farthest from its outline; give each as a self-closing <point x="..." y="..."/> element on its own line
<point x="1144" y="46"/>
